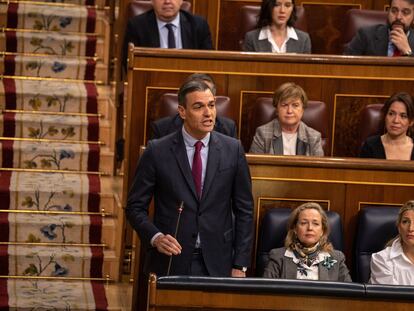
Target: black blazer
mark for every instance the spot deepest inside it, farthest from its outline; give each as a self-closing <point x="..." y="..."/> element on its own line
<point x="373" y="148"/>
<point x="168" y="125"/>
<point x="142" y="30"/>
<point x="164" y="172"/>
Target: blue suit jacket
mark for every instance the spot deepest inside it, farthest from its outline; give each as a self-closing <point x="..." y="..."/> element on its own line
<point x="164" y="173"/>
<point x="142" y="30"/>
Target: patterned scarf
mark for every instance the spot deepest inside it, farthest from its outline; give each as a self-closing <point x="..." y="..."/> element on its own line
<point x="306" y="255"/>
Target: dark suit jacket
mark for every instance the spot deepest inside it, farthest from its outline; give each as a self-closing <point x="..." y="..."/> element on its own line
<point x="164" y="172"/>
<point x="253" y="44"/>
<point x="282" y="267"/>
<point x="373" y="41"/>
<point x="142" y="30"/>
<point x="168" y="125"/>
<point x="373" y="148"/>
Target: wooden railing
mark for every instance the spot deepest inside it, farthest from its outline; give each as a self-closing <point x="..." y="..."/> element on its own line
<point x="195" y="293"/>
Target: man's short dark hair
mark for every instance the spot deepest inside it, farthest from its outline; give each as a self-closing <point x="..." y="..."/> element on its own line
<point x="190" y="87"/>
<point x="203" y="77"/>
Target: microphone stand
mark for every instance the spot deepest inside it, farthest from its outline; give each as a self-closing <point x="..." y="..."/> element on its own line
<point x="180" y="210"/>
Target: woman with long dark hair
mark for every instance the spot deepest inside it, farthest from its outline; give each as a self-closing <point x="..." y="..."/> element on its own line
<point x="275" y="30"/>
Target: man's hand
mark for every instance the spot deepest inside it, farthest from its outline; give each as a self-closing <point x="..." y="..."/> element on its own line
<point x="236" y="273"/>
<point x="399" y="38"/>
<point x="167" y="245"/>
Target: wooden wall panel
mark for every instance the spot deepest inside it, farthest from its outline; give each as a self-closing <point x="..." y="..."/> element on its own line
<point x="347" y="110"/>
<point x="326" y="23"/>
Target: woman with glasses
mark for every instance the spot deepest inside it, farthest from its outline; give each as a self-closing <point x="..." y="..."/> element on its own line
<point x="287" y="134"/>
<point x="397" y="142"/>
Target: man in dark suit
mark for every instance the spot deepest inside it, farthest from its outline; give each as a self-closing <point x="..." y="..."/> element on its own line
<point x="394" y="39"/>
<point x="150" y="29"/>
<point x="205" y="172"/>
<point x="167" y="125"/>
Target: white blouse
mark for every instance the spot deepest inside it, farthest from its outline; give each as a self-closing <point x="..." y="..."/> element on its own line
<point x="265" y="33"/>
<point x="391" y="266"/>
<point x="289" y="143"/>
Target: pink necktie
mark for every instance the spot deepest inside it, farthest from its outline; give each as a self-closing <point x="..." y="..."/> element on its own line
<point x="197" y="167"/>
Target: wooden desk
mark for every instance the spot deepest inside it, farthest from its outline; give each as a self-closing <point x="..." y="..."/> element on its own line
<point x="181" y="293"/>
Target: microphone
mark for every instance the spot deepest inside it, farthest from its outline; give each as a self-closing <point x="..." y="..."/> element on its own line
<point x="180" y="210"/>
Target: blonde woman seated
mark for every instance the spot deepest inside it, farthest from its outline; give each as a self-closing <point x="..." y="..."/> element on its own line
<point x="287" y="134"/>
<point x="397" y="142"/>
<point x="395" y="264"/>
<point x="307" y="254"/>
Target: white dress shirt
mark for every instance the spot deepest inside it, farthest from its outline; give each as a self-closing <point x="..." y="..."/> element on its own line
<point x="391" y="266"/>
<point x="265" y="33"/>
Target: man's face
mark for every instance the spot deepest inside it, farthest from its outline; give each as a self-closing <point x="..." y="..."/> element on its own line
<point x="199" y="115"/>
<point x="401" y="14"/>
<point x="166" y="10"/>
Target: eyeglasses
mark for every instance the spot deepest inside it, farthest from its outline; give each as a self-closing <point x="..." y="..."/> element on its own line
<point x="404" y="12"/>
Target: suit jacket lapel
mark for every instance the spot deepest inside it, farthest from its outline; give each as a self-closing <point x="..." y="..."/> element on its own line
<point x="277" y="145"/>
<point x="186" y="29"/>
<point x="213" y="163"/>
<point x="264" y="45"/>
<point x="381" y="41"/>
<point x="323" y="272"/>
<point x="154" y="36"/>
<point x="291" y="269"/>
<point x="180" y="153"/>
<point x="300" y="147"/>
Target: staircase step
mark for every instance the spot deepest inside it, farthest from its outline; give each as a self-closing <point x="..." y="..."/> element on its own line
<point x="58" y="261"/>
<point x="46" y="17"/>
<point x="69" y="128"/>
<point x="52" y="295"/>
<point x="53" y="67"/>
<point x="57" y="229"/>
<point x="35" y="191"/>
<point x="51" y="261"/>
<point x="55" y="156"/>
<point x="53" y="43"/>
<point x="97" y="3"/>
<point x="51" y="228"/>
<point x="55" y="96"/>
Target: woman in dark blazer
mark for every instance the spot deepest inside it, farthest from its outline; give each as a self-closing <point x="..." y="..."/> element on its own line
<point x="397" y="142"/>
<point x="307" y="253"/>
<point x="275" y="31"/>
